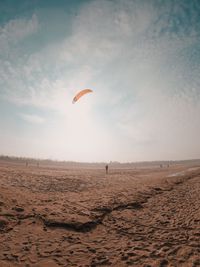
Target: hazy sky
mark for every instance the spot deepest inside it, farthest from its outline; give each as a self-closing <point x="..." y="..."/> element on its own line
<point x="141" y="58"/>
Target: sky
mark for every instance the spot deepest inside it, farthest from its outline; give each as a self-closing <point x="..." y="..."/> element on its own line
<point x="141" y="58"/>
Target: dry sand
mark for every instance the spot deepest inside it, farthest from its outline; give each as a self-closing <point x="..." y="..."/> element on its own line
<point x="77" y="217"/>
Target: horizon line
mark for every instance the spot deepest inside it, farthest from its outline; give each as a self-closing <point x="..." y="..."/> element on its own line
<point x="95" y="162"/>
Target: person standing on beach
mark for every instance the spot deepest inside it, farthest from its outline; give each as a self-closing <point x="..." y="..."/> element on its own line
<point x="106" y="169"/>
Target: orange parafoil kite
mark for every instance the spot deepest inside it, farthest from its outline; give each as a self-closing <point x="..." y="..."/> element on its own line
<point x="80" y="94"/>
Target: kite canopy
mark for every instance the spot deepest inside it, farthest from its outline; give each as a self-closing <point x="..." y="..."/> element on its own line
<point x="80" y="94"/>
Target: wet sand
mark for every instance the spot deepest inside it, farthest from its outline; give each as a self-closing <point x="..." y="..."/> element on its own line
<point x="83" y="217"/>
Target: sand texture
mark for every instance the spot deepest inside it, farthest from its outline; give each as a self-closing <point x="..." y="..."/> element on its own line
<point x="54" y="217"/>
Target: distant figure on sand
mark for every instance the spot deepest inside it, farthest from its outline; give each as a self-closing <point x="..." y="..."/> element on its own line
<point x="106" y="169"/>
<point x="26" y="164"/>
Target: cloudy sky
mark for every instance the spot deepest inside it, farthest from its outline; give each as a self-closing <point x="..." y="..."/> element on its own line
<point x="141" y="58"/>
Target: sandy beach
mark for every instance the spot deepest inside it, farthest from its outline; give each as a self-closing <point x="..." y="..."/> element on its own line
<point x="53" y="216"/>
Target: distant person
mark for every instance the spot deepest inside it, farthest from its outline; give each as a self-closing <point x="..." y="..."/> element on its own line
<point x="26" y="164"/>
<point x="106" y="169"/>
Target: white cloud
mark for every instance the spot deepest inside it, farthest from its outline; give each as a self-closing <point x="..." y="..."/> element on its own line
<point x="16" y="30"/>
<point x="32" y="118"/>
